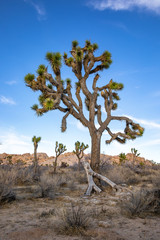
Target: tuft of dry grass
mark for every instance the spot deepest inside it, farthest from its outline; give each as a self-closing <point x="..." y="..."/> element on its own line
<point x="142" y="203"/>
<point x="73" y="221"/>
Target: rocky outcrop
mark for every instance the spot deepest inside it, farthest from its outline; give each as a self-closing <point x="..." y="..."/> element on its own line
<point x="69" y="158"/>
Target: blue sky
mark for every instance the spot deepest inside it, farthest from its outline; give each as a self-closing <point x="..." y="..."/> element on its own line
<point x="130" y="30"/>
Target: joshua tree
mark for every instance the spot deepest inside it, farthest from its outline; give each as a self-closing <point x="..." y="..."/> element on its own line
<point x="59" y="149"/>
<point x="122" y="158"/>
<point x="135" y="154"/>
<point x="35" y="141"/>
<point x="57" y="94"/>
<point x="79" y="151"/>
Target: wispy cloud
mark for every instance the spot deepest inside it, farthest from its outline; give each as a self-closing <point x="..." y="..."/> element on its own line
<point x="11" y="82"/>
<point x="38" y="6"/>
<point x="13" y="142"/>
<point x="6" y="100"/>
<point x="144" y="122"/>
<point x="116" y="5"/>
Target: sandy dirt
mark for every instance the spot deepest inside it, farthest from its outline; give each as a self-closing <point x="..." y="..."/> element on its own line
<point x="38" y="219"/>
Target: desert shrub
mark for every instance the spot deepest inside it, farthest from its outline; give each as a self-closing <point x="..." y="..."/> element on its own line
<point x="156" y="180"/>
<point x="81" y="178"/>
<point x="74" y="221"/>
<point x="105" y="166"/>
<point x="48" y="185"/>
<point x="7" y="178"/>
<point x="141" y="203"/>
<point x="122" y="175"/>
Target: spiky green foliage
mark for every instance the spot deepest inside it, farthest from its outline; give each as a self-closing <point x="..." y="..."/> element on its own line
<point x="50" y="86"/>
<point x="114" y="106"/>
<point x="77" y="85"/>
<point x="95" y="46"/>
<point x="29" y="78"/>
<point x="79" y="54"/>
<point x="116" y="86"/>
<point x="68" y="80"/>
<point x="135" y="152"/>
<point x="122" y="158"/>
<point x="88" y="42"/>
<point x="62" y="81"/>
<point x="74" y="43"/>
<point x="60" y="148"/>
<point x="70" y="60"/>
<point x="41" y="99"/>
<point x="48" y="103"/>
<point x="41" y="69"/>
<point x="34" y="107"/>
<point x="80" y="147"/>
<point x="65" y="55"/>
<point x="55" y="60"/>
<point x="36" y="139"/>
<point x="115" y="96"/>
<point x="79" y="151"/>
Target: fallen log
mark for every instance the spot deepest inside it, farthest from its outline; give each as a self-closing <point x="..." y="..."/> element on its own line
<point x="91" y="184"/>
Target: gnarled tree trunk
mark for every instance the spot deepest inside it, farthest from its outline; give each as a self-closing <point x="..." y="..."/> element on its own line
<point x="91" y="184"/>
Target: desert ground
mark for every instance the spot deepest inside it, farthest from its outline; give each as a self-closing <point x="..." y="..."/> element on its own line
<point x="55" y="205"/>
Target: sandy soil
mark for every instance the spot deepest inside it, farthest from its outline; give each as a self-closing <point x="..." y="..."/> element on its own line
<point x="38" y="219"/>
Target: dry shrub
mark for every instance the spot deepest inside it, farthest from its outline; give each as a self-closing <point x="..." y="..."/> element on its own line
<point x="122" y="175"/>
<point x="49" y="185"/>
<point x="142" y="203"/>
<point x="7" y="178"/>
<point x="73" y="221"/>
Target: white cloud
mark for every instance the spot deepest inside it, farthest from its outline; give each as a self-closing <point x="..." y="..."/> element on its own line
<point x="150" y="143"/>
<point x="38" y="7"/>
<point x="116" y="5"/>
<point x="11" y="82"/>
<point x="5" y="100"/>
<point x="14" y="143"/>
<point x="144" y="122"/>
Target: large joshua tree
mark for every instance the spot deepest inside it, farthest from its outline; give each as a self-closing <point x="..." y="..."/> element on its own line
<point x="57" y="94"/>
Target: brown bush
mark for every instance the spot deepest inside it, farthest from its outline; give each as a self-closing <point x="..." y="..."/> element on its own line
<point x="73" y="221"/>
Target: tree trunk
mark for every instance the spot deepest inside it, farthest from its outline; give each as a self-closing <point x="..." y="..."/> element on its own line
<point x="36" y="170"/>
<point x="95" y="150"/>
<point x="55" y="164"/>
<point x="35" y="160"/>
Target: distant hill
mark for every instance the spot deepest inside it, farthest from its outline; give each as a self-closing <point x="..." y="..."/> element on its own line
<point x="69" y="158"/>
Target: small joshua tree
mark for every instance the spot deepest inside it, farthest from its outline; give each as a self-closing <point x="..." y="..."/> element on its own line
<point x="35" y="141"/>
<point x="135" y="154"/>
<point x="122" y="158"/>
<point x="59" y="149"/>
<point x="79" y="151"/>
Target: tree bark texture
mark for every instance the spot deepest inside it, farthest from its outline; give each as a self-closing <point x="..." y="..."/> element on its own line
<point x="95" y="150"/>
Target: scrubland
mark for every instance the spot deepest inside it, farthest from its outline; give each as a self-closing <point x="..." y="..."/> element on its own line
<point x="54" y="206"/>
